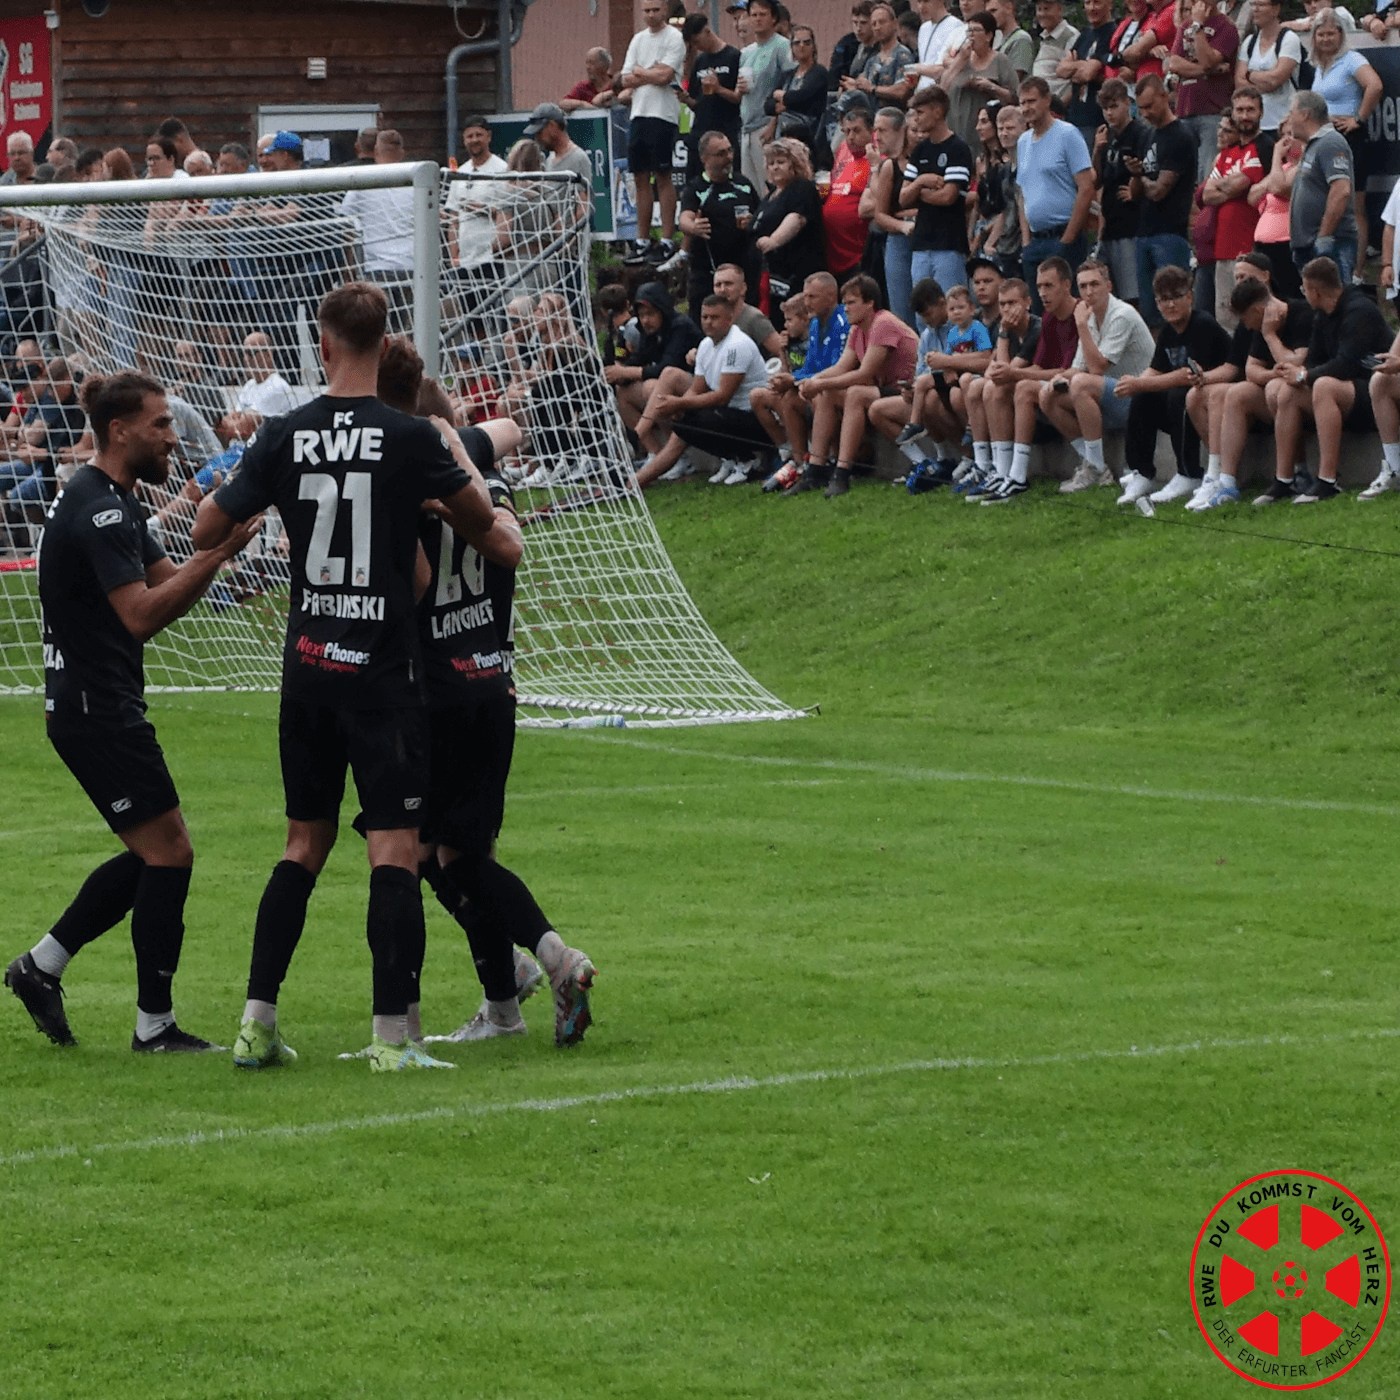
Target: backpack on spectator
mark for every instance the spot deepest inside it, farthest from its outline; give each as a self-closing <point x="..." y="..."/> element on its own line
<point x="1303" y="74"/>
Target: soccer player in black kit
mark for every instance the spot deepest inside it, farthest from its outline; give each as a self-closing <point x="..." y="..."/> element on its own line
<point x="347" y="475"/>
<point x="105" y="587"/>
<point x="465" y="625"/>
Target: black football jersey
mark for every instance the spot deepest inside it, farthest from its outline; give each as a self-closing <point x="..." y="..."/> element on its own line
<point x="464" y="618"/>
<point x="95" y="540"/>
<point x="347" y="476"/>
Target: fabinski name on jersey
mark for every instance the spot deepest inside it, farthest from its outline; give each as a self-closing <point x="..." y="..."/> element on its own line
<point x="347" y="605"/>
<point x="338" y="444"/>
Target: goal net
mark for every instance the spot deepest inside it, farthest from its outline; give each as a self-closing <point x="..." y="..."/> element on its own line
<point x="212" y="287"/>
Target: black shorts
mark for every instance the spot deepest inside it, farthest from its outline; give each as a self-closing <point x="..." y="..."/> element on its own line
<point x="651" y="145"/>
<point x="1361" y="416"/>
<point x="386" y="750"/>
<point x="120" y="767"/>
<point x="472" y="745"/>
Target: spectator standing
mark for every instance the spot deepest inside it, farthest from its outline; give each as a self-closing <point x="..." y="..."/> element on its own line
<point x="1272" y="198"/>
<point x="364" y="146"/>
<point x="1011" y="39"/>
<point x="19" y="151"/>
<point x="1121" y="136"/>
<point x="1149" y="52"/>
<point x="1129" y="31"/>
<point x="654" y="62"/>
<point x="761" y="66"/>
<point x="845" y="230"/>
<point x="597" y="82"/>
<point x="717" y="213"/>
<point x="978" y="76"/>
<point x="1332" y="387"/>
<point x="1056" y="181"/>
<point x="788" y="226"/>
<point x="549" y="126"/>
<point x="894" y="141"/>
<point x="1086" y="66"/>
<point x="1203" y="60"/>
<point x="1321" y="220"/>
<point x="1057" y="39"/>
<point x="851" y="49"/>
<point x="1268" y="60"/>
<point x="798" y="103"/>
<point x="940" y="35"/>
<point x="936" y="181"/>
<point x="1164" y="178"/>
<point x="471" y="202"/>
<point x="1236" y="173"/>
<point x="385" y="219"/>
<point x="711" y="90"/>
<point x="881" y="78"/>
<point x="1352" y="90"/>
<point x="998" y="195"/>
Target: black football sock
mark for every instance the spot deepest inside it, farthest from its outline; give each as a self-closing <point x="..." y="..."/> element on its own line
<point x="393" y="928"/>
<point x="157" y="933"/>
<point x="510" y="900"/>
<point x="281" y="918"/>
<point x="101" y="904"/>
<point x="486" y="936"/>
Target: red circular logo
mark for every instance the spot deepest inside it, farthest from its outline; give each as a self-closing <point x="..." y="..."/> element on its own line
<point x="1290" y="1280"/>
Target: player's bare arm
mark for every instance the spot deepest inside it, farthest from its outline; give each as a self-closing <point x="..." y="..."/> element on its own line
<point x="167" y="592"/>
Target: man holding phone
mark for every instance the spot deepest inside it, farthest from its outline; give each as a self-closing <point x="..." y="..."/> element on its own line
<point x="1190" y="344"/>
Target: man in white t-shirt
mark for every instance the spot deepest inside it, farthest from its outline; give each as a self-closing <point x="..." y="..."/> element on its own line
<point x="472" y="202"/>
<point x="940" y="34"/>
<point x="713" y="414"/>
<point x="265" y="392"/>
<point x="651" y="74"/>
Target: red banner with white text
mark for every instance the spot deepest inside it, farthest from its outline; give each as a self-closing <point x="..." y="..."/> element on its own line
<point x="26" y="80"/>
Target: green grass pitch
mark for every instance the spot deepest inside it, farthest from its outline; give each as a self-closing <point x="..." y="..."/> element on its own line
<point x="928" y="1030"/>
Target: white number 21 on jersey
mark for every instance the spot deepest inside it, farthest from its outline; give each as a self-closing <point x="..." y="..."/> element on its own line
<point x="323" y="567"/>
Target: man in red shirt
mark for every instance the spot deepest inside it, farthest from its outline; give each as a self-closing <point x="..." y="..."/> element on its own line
<point x="880" y="355"/>
<point x="1236" y="171"/>
<point x="1013" y="398"/>
<point x="845" y="229"/>
<point x="597" y="65"/>
<point x="1148" y="53"/>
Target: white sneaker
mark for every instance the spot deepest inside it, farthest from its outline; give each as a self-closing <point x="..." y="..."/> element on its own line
<point x="1135" y="487"/>
<point x="1086" y="476"/>
<point x="1175" y="489"/>
<point x="1203" y="493"/>
<point x="1219" y="496"/>
<point x="541" y="476"/>
<point x="724" y="469"/>
<point x="677" y="259"/>
<point x="1386" y="481"/>
<point x="480" y="1027"/>
<point x="683" y="468"/>
<point x="738" y="476"/>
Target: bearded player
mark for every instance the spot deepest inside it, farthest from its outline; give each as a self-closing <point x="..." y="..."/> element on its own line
<point x="106" y="587"/>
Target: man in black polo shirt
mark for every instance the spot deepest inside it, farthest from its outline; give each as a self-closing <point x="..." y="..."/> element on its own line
<point x="348" y="475"/>
<point x="717" y="210"/>
<point x="1085" y="64"/>
<point x="106" y="586"/>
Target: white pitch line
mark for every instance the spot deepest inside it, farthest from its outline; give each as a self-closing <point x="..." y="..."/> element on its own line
<point x="676" y="789"/>
<point x="294" y="1132"/>
<point x="1022" y="780"/>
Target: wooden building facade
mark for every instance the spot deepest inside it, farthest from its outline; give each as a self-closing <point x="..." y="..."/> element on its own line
<point x="233" y="70"/>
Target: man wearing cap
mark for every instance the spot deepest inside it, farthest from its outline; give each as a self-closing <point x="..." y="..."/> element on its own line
<point x="548" y="124"/>
<point x="284" y="151"/>
<point x="655" y="59"/>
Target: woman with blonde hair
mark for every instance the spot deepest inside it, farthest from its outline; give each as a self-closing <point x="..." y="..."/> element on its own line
<point x="788" y="224"/>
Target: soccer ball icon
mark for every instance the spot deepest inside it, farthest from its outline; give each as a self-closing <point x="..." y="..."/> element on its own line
<point x="1290" y="1281"/>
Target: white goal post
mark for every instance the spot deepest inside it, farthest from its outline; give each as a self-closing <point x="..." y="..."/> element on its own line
<point x="211" y="285"/>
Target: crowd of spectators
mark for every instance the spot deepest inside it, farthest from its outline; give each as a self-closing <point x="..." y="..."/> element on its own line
<point x="1001" y="228"/>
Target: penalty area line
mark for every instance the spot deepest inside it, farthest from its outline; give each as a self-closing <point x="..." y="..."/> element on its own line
<point x="736" y="1084"/>
<point x="899" y="773"/>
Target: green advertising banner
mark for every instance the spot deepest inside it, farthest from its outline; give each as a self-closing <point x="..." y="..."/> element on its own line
<point x="590" y="130"/>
